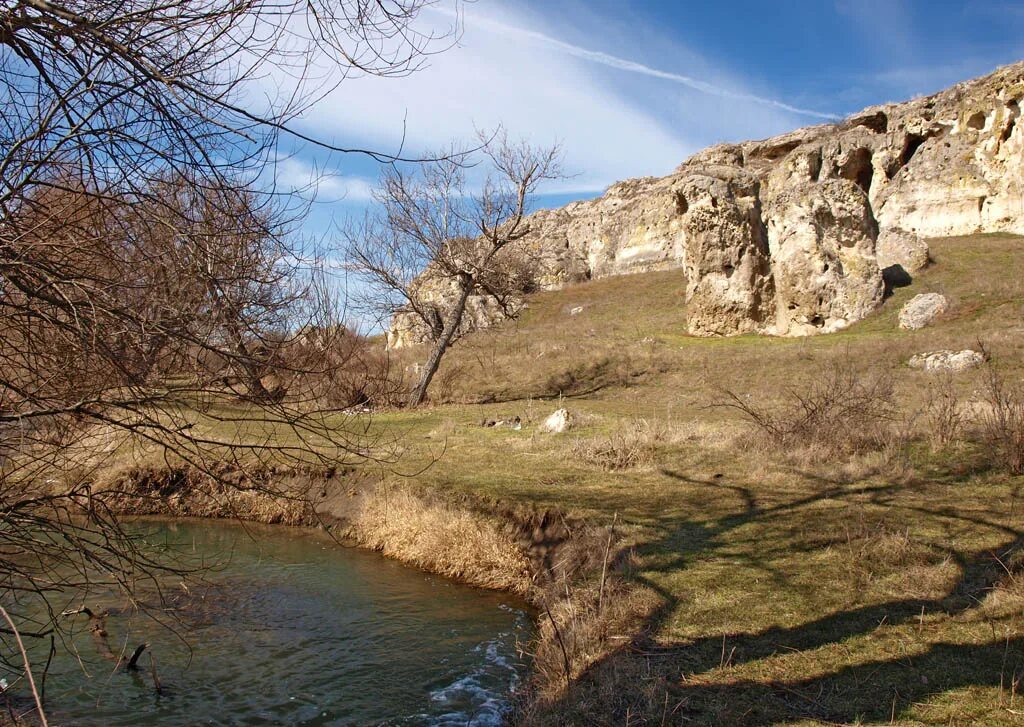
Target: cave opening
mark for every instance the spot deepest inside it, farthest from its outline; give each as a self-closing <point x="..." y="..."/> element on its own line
<point x="977" y="121"/>
<point x="1013" y="110"/>
<point x="911" y="144"/>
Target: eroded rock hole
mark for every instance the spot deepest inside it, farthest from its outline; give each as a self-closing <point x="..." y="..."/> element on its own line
<point x="817" y="321"/>
<point x="1013" y="111"/>
<point x="682" y="206"/>
<point x="977" y="121"/>
<point x="911" y="144"/>
<point x="878" y="123"/>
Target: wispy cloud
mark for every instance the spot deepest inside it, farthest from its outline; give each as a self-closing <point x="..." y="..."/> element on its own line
<point x="315" y="183"/>
<point x="629" y="66"/>
<point x="614" y="118"/>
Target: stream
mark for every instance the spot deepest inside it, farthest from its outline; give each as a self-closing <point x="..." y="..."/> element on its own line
<point x="290" y="627"/>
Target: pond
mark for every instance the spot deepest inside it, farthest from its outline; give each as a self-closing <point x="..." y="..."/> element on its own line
<point x="290" y="627"/>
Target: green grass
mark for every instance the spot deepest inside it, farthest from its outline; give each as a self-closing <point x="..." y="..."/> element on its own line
<point x="793" y="590"/>
<point x="847" y="591"/>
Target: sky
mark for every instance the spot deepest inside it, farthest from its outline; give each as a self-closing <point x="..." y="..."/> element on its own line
<point x="632" y="88"/>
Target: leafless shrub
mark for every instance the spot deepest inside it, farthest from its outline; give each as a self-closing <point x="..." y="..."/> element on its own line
<point x="636" y="444"/>
<point x="446" y="383"/>
<point x="1002" y="421"/>
<point x="584" y="377"/>
<point x="151" y="285"/>
<point x="840" y="412"/>
<point x="943" y="415"/>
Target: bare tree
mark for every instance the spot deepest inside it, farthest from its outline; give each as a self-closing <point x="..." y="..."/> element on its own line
<point x="153" y="287"/>
<point x="437" y="242"/>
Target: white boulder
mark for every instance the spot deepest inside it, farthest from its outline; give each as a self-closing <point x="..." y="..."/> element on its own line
<point x="558" y="422"/>
<point x="922" y="310"/>
<point x="955" y="361"/>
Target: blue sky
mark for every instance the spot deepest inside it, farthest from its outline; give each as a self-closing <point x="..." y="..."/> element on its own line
<point x="632" y="88"/>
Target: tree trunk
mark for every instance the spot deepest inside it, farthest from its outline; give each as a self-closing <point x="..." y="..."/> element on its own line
<point x="441" y="346"/>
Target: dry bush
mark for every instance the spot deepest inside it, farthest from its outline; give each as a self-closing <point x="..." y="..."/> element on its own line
<point x="943" y="415"/>
<point x="635" y="444"/>
<point x="446" y="383"/>
<point x="340" y="369"/>
<point x="1002" y="421"/>
<point x="842" y="411"/>
<point x="579" y="628"/>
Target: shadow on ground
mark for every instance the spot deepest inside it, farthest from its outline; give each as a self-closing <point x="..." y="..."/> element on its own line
<point x="650" y="682"/>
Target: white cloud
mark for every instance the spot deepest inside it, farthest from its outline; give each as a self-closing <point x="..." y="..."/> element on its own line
<point x="624" y="64"/>
<point x="614" y="117"/>
<point x="315" y="183"/>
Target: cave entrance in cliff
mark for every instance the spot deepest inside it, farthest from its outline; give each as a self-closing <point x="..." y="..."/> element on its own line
<point x="911" y="143"/>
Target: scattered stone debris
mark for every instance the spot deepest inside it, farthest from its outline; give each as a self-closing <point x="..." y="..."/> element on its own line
<point x="558" y="422"/>
<point x="576" y="311"/>
<point x="955" y="361"/>
<point x="922" y="309"/>
<point x="515" y="423"/>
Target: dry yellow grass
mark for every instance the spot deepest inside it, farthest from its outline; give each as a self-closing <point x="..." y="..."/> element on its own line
<point x="439" y="537"/>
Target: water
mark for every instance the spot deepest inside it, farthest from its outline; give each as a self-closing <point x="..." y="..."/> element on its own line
<point x="295" y="629"/>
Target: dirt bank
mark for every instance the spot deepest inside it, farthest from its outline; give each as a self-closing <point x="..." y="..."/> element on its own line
<point x="574" y="572"/>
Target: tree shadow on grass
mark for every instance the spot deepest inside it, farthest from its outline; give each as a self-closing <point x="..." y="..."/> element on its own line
<point x="649" y="682"/>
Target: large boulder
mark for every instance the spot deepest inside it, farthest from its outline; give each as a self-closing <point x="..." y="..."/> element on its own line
<point x="902" y="248"/>
<point x="559" y="421"/>
<point x="921" y="310"/>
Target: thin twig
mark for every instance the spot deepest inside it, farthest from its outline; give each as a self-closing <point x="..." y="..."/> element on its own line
<point x="28" y="668"/>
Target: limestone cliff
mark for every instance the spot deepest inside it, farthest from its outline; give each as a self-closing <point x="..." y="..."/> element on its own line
<point x="779" y="236"/>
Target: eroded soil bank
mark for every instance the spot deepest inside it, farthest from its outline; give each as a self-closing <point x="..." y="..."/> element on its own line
<point x="575" y="573"/>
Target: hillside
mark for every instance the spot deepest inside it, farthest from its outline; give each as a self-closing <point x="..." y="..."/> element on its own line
<point x="793" y="235"/>
<point x="807" y="582"/>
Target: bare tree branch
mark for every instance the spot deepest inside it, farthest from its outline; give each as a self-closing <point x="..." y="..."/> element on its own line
<point x="438" y="245"/>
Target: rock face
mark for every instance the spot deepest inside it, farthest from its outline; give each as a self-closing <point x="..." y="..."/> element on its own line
<point x="791" y="235"/>
<point x="921" y="310"/>
<point x="954" y="361"/>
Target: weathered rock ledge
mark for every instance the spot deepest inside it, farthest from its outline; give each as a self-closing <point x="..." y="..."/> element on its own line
<point x="779" y="236"/>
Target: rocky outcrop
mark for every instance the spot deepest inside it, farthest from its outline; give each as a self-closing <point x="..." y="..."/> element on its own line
<point x="725" y="251"/>
<point x="791" y="235"/>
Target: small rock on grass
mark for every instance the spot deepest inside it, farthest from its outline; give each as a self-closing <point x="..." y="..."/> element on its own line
<point x="558" y="422"/>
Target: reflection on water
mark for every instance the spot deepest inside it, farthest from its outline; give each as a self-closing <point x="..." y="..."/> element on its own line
<point x="295" y="629"/>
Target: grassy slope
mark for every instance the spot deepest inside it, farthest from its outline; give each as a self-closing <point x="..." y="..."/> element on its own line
<point x="843" y="591"/>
